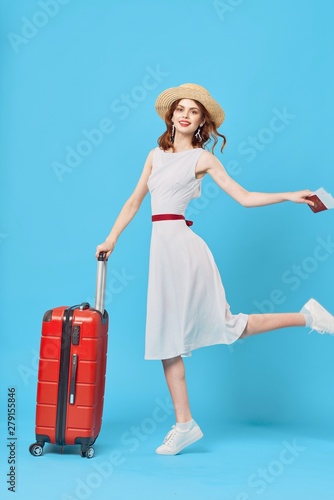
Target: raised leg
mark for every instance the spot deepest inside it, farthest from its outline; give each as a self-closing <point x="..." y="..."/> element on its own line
<point x="260" y="323"/>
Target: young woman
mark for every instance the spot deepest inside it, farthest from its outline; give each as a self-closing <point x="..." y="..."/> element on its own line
<point x="187" y="307"/>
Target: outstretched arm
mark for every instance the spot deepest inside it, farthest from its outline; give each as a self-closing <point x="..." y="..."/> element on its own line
<point x="129" y="210"/>
<point x="208" y="163"/>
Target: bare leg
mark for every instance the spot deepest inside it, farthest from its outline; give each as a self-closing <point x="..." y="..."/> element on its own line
<point x="259" y="323"/>
<point x="176" y="381"/>
<point x="175" y="371"/>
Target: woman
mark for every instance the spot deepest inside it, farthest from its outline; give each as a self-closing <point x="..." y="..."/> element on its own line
<point x="187" y="307"/>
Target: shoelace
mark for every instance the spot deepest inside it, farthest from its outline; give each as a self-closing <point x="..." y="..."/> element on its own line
<point x="324" y="328"/>
<point x="319" y="330"/>
<point x="170" y="436"/>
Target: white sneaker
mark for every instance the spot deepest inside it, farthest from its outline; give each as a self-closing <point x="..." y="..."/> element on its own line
<point x="176" y="440"/>
<point x="322" y="320"/>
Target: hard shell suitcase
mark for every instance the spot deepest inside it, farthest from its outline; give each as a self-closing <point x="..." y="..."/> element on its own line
<point x="71" y="374"/>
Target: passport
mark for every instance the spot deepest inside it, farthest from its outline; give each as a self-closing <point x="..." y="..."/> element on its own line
<point x="322" y="200"/>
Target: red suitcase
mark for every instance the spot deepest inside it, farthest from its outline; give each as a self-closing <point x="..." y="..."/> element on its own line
<point x="71" y="374"/>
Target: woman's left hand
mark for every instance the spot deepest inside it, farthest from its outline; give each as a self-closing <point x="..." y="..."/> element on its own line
<point x="301" y="197"/>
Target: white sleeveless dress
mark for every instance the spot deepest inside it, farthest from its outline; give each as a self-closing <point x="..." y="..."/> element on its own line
<point x="186" y="303"/>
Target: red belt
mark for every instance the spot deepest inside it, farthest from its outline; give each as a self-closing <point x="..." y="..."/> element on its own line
<point x="156" y="218"/>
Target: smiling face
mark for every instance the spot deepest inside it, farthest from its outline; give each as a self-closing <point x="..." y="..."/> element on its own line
<point x="187" y="117"/>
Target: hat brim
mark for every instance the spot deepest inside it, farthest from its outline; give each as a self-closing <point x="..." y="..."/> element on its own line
<point x="168" y="96"/>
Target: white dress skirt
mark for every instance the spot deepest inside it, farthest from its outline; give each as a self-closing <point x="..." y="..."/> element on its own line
<point x="186" y="302"/>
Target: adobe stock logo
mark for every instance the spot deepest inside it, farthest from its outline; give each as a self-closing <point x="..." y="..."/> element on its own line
<point x="117" y="282"/>
<point x="297" y="274"/>
<point x="31" y="27"/>
<point x="120" y="108"/>
<point x="224" y="8"/>
<point x="3" y="236"/>
<point x="293" y="278"/>
<point x="130" y="440"/>
<point x="264" y="477"/>
<point x="254" y="144"/>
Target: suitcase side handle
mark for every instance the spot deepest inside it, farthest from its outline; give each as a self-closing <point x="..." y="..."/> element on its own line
<point x="73" y="378"/>
<point x="101" y="280"/>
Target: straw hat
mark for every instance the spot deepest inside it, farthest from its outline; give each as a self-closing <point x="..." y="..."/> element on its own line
<point x="190" y="91"/>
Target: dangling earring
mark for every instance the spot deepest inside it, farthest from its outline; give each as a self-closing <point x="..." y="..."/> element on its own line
<point x="173" y="134"/>
<point x="198" y="136"/>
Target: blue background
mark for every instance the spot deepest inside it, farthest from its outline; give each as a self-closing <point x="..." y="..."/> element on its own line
<point x="67" y="68"/>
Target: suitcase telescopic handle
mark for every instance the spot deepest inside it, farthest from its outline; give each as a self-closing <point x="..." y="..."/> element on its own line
<point x="101" y="280"/>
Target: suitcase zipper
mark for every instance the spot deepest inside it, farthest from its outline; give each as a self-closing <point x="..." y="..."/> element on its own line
<point x="65" y="350"/>
<point x="63" y="376"/>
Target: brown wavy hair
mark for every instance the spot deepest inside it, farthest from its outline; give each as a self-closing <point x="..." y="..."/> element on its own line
<point x="209" y="131"/>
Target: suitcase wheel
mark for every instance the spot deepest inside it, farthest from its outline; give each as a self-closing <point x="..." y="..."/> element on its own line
<point x="36" y="449"/>
<point x="88" y="452"/>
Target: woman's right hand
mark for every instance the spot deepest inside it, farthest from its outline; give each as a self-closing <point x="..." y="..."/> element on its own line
<point x="107" y="246"/>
